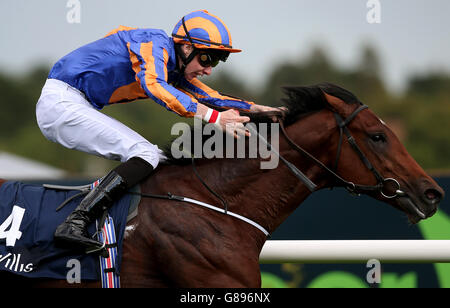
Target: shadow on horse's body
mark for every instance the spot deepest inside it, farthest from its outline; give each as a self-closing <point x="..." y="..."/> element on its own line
<point x="175" y="244"/>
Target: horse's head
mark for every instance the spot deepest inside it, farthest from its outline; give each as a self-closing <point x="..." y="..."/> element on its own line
<point x="376" y="163"/>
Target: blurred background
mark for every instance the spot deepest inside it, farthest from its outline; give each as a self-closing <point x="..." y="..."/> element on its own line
<point x="393" y="55"/>
<point x="396" y="62"/>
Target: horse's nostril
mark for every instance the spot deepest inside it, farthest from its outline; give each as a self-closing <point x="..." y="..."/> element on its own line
<point x="433" y="195"/>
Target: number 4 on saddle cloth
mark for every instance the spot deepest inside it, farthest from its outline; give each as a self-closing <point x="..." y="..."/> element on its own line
<point x="28" y="219"/>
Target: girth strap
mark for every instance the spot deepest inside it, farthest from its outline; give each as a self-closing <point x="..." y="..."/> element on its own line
<point x="169" y="196"/>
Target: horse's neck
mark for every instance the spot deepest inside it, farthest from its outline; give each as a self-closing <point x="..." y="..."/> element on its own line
<point x="269" y="196"/>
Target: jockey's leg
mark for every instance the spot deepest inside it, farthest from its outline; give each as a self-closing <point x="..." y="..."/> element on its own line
<point x="66" y="117"/>
<point x="112" y="187"/>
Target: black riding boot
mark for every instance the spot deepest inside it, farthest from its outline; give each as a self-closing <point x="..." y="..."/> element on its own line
<point x="74" y="229"/>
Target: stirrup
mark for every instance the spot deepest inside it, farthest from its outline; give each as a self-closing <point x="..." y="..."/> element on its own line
<point x="102" y="251"/>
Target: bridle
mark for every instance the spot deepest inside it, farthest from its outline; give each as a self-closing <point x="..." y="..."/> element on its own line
<point x="353" y="188"/>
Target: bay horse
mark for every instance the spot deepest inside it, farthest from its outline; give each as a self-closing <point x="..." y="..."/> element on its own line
<point x="174" y="244"/>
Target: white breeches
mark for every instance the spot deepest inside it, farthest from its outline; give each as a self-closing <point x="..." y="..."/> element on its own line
<point x="66" y="117"/>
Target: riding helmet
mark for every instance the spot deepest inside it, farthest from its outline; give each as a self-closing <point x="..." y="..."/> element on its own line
<point x="204" y="31"/>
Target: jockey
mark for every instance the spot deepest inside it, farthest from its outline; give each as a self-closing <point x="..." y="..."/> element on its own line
<point x="126" y="65"/>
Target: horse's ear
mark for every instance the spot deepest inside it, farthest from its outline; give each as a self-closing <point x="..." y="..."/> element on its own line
<point x="338" y="98"/>
<point x="338" y="105"/>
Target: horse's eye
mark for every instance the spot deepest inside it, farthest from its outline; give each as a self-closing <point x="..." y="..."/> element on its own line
<point x="378" y="138"/>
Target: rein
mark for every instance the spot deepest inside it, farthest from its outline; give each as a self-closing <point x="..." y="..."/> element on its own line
<point x="169" y="196"/>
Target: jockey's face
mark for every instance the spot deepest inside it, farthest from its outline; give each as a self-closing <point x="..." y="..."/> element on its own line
<point x="194" y="68"/>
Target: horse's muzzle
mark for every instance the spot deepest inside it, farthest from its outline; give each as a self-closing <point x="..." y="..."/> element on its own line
<point x="421" y="202"/>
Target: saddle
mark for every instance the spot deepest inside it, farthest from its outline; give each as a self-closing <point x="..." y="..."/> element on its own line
<point x="84" y="190"/>
<point x="28" y="219"/>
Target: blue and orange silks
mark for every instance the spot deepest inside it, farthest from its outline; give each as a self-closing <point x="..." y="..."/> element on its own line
<point x="130" y="64"/>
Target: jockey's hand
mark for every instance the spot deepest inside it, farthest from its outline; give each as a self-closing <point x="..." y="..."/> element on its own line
<point x="233" y="123"/>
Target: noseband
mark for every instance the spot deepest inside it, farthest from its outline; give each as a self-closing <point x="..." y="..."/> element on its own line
<point x="355" y="189"/>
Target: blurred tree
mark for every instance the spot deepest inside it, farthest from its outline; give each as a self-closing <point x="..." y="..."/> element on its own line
<point x="426" y="107"/>
<point x="367" y="82"/>
<point x="13" y="100"/>
<point x="429" y="86"/>
<point x="315" y="69"/>
<point x="369" y="63"/>
<point x="227" y="83"/>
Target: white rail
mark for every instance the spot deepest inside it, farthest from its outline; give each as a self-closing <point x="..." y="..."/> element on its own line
<point x="356" y="251"/>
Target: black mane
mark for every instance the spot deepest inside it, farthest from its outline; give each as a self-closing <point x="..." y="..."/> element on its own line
<point x="307" y="99"/>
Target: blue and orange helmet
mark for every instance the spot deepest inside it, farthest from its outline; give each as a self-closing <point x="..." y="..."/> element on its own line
<point x="204" y="31"/>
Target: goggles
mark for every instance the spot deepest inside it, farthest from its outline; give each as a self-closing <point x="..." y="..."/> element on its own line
<point x="212" y="58"/>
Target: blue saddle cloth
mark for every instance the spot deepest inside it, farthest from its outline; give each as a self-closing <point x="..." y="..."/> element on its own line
<point x="28" y="219"/>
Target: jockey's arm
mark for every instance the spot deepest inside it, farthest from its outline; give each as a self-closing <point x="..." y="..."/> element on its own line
<point x="206" y="94"/>
<point x="150" y="65"/>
